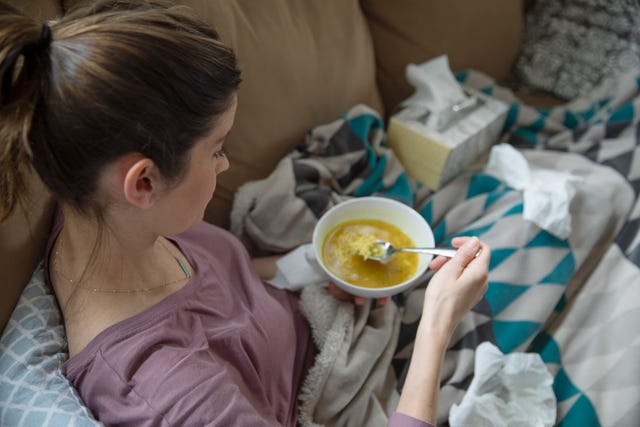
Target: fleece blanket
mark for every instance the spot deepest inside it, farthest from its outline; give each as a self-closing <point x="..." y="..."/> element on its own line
<point x="350" y="383"/>
<point x="575" y="301"/>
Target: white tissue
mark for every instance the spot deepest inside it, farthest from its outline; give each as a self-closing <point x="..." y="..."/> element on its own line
<point x="297" y="269"/>
<point x="436" y="86"/>
<point x="547" y="194"/>
<point x="506" y="390"/>
<point x="436" y="91"/>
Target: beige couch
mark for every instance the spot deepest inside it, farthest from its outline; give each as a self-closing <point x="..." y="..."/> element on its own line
<point x="304" y="62"/>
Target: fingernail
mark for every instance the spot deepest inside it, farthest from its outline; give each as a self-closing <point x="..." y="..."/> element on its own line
<point x="473" y="243"/>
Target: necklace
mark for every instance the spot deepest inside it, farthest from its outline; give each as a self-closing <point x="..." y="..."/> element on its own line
<point x="181" y="263"/>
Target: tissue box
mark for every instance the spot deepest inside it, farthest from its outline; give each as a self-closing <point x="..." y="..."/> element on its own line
<point x="435" y="157"/>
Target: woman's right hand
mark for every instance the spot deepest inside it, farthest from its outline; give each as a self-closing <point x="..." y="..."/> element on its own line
<point x="457" y="286"/>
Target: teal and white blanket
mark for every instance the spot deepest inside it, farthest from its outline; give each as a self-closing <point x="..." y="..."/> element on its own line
<point x="575" y="301"/>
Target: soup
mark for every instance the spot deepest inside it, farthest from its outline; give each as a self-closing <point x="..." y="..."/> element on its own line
<point x="346" y="247"/>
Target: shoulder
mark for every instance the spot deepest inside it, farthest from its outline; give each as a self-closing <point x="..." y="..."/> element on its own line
<point x="211" y="238"/>
<point x="204" y="228"/>
<point x="210" y="247"/>
<point x="398" y="419"/>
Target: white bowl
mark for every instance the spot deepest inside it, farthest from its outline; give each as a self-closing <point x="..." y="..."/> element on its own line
<point x="384" y="209"/>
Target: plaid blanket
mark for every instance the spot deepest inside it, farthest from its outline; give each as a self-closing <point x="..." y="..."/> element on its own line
<point x="575" y="301"/>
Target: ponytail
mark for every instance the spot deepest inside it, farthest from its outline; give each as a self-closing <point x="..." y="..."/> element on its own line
<point x="121" y="76"/>
<point x="23" y="60"/>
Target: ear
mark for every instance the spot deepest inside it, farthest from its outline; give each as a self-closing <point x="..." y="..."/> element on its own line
<point x="141" y="183"/>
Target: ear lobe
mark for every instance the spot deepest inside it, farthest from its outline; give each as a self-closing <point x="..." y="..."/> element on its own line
<point x="141" y="183"/>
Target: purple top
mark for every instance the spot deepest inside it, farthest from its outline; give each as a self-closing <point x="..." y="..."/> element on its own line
<point x="223" y="350"/>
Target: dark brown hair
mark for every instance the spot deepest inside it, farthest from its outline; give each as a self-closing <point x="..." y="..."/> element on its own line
<point x="109" y="78"/>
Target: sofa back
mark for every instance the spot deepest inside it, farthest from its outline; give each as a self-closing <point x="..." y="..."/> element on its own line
<point x="304" y="62"/>
<point x="482" y="35"/>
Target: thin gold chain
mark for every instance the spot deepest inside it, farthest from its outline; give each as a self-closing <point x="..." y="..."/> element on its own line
<point x="180" y="262"/>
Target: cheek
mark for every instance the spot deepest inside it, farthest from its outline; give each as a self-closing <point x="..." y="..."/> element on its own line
<point x="205" y="183"/>
<point x="211" y="179"/>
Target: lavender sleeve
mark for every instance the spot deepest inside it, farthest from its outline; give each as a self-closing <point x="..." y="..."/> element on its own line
<point x="401" y="420"/>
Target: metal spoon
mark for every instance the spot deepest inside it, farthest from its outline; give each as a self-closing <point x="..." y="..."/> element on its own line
<point x="387" y="250"/>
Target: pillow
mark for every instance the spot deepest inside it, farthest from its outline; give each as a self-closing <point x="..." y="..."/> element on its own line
<point x="569" y="46"/>
<point x="33" y="391"/>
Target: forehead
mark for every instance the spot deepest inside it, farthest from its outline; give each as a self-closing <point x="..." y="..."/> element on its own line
<point x="224" y="122"/>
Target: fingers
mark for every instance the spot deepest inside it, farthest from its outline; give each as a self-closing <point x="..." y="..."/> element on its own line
<point x="438" y="262"/>
<point x="467" y="252"/>
<point x="266" y="267"/>
<point x="383" y="301"/>
<point x="482" y="253"/>
<point x="456" y="242"/>
<point x="362" y="300"/>
<point x="477" y="271"/>
<point x="468" y="248"/>
<point x="342" y="295"/>
<point x="478" y="268"/>
<point x="338" y="293"/>
<point x="458" y="285"/>
<point x="484" y="256"/>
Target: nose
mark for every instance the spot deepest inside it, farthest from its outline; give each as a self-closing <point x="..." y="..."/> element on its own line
<point x="223" y="165"/>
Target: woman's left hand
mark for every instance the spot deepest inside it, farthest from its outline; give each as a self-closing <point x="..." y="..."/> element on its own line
<point x="266" y="268"/>
<point x="341" y="295"/>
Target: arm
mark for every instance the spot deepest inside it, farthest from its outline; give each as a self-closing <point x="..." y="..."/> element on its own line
<point x="266" y="266"/>
<point x="454" y="289"/>
<point x="401" y="420"/>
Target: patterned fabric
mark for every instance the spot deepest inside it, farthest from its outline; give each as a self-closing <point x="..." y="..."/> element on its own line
<point x="556" y="297"/>
<point x="342" y="159"/>
<point x="33" y="391"/>
<point x="531" y="271"/>
<point x="570" y="45"/>
<point x="592" y="343"/>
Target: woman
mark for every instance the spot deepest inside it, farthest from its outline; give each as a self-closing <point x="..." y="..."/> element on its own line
<point x="122" y="108"/>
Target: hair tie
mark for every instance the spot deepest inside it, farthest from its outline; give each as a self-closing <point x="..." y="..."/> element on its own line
<point x="45" y="38"/>
<point x="30" y="52"/>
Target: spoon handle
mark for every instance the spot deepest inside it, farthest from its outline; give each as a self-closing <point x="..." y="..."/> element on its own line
<point x="449" y="253"/>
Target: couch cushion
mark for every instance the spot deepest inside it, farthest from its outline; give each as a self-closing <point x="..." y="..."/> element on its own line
<point x="482" y="35"/>
<point x="39" y="9"/>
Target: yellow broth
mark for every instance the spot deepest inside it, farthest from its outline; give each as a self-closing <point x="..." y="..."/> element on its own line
<point x="342" y="253"/>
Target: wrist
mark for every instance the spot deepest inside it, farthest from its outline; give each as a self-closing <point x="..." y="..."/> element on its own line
<point x="419" y="397"/>
<point x="266" y="267"/>
<point x="438" y="335"/>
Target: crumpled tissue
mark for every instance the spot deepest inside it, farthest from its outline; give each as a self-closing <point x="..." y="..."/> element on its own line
<point x="547" y="193"/>
<point x="297" y="269"/>
<point x="506" y="390"/>
<point x="436" y="91"/>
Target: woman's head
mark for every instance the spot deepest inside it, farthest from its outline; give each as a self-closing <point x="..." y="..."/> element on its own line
<point x="111" y="78"/>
